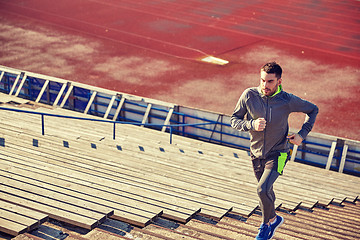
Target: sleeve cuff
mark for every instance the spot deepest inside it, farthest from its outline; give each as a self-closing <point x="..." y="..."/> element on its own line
<point x="301" y="135"/>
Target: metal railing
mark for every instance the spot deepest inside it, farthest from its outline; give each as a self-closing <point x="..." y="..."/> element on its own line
<point x="170" y="126"/>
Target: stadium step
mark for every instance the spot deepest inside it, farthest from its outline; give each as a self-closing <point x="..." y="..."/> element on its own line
<point x="15" y="219"/>
<point x="84" y="177"/>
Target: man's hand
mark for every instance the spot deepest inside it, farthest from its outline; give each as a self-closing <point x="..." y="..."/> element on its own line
<point x="295" y="139"/>
<point x="259" y="124"/>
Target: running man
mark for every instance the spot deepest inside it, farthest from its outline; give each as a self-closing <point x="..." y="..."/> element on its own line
<point x="263" y="111"/>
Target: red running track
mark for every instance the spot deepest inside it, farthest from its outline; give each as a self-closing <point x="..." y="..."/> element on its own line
<point x="192" y="29"/>
<point x="153" y="48"/>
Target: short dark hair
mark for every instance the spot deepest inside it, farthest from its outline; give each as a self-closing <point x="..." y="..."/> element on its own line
<point x="272" y="67"/>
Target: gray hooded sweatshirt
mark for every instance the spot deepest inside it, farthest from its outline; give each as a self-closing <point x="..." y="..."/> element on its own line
<point x="253" y="104"/>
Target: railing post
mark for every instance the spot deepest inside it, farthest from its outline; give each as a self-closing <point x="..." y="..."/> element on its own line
<point x="294" y="152"/>
<point x="42" y="125"/>
<point x="331" y="156"/>
<point x="343" y="158"/>
<point x="170" y="135"/>
<point x="114" y="131"/>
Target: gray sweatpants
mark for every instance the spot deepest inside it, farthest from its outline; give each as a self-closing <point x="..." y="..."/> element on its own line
<point x="266" y="172"/>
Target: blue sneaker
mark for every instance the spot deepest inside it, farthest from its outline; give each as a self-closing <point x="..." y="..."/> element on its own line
<point x="264" y="232"/>
<point x="273" y="226"/>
